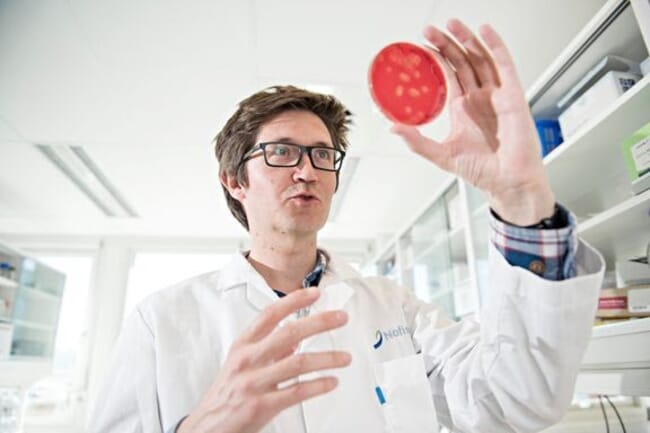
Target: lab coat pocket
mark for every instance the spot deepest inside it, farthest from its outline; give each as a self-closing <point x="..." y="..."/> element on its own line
<point x="405" y="396"/>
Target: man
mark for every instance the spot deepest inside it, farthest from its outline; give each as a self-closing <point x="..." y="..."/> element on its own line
<point x="252" y="348"/>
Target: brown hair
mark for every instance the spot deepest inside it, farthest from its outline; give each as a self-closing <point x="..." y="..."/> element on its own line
<point x="240" y="131"/>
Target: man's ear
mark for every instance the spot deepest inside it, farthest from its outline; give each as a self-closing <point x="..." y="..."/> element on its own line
<point x="232" y="185"/>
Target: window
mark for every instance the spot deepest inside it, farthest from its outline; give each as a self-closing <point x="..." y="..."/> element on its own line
<point x="72" y="332"/>
<point x="56" y="402"/>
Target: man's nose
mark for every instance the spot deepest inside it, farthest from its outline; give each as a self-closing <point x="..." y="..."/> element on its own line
<point x="305" y="171"/>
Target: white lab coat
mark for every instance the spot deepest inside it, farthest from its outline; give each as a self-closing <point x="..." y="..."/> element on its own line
<point x="514" y="373"/>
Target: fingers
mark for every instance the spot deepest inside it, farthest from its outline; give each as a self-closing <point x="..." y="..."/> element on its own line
<point x="300" y="363"/>
<point x="479" y="58"/>
<point x="294" y="394"/>
<point x="500" y="53"/>
<point x="455" y="55"/>
<point x="476" y="64"/>
<point x="435" y="152"/>
<point x="293" y="333"/>
<point x="269" y="319"/>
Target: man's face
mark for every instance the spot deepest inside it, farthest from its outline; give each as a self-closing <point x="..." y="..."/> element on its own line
<point x="289" y="200"/>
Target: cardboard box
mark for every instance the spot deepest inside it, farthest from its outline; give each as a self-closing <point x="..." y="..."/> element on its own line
<point x="626" y="302"/>
<point x="645" y="67"/>
<point x="641" y="184"/>
<point x="632" y="273"/>
<point x="592" y="102"/>
<point x="595" y="73"/>
<point x="638" y="300"/>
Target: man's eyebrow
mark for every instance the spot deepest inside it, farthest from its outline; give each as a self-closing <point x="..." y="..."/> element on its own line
<point x="292" y="141"/>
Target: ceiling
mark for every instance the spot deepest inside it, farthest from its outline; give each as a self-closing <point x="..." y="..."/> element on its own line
<point x="143" y="86"/>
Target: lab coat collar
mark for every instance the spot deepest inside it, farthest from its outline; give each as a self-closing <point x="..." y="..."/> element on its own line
<point x="337" y="271"/>
<point x="239" y="273"/>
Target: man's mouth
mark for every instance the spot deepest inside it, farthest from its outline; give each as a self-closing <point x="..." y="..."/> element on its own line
<point x="305" y="198"/>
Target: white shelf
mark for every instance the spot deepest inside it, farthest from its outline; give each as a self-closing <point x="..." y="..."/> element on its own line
<point x="629" y="327"/>
<point x="40" y="294"/>
<point x="6" y="282"/>
<point x="632" y="382"/>
<point x="33" y="325"/>
<point x="620" y="231"/>
<point x="617" y="361"/>
<point x="619" y="346"/>
<point x="587" y="172"/>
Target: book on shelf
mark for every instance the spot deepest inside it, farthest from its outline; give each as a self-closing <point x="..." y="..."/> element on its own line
<point x="636" y="153"/>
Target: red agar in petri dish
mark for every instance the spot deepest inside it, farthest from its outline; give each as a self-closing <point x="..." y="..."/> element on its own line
<point x="407" y="83"/>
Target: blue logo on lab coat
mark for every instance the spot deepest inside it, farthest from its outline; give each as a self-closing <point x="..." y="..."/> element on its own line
<point x="388" y="334"/>
<point x="380" y="339"/>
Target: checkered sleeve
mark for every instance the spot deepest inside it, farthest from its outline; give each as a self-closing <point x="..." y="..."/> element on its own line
<point x="550" y="253"/>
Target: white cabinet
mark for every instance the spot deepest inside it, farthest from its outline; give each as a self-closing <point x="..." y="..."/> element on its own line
<point x="434" y="254"/>
<point x="588" y="175"/>
<point x="30" y="297"/>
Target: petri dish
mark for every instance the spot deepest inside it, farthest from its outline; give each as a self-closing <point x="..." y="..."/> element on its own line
<point x="407" y="83"/>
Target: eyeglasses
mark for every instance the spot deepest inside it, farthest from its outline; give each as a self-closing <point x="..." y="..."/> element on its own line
<point x="278" y="154"/>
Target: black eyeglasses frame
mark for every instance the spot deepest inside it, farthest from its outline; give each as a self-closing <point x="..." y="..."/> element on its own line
<point x="303" y="149"/>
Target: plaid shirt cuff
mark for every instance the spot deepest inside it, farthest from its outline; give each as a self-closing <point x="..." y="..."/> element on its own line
<point x="549" y="253"/>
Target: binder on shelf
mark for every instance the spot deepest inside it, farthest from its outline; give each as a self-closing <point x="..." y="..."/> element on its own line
<point x="550" y="134"/>
<point x="636" y="153"/>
